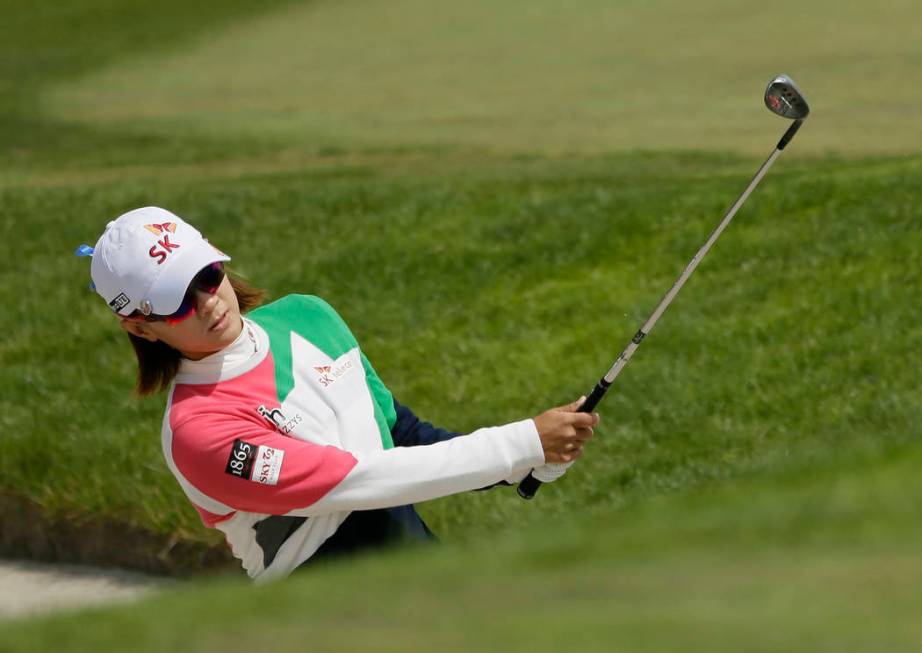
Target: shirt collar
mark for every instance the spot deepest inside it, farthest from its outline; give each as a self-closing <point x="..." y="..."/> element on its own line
<point x="239" y="357"/>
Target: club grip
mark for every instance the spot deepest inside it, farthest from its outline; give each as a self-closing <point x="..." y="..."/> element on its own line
<point x="595" y="396"/>
<point x="529" y="486"/>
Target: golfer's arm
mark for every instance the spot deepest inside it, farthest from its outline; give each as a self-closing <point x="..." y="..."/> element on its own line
<point x="288" y="476"/>
<point x="412" y="474"/>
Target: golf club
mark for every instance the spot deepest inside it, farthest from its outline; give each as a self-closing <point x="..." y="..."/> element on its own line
<point x="783" y="98"/>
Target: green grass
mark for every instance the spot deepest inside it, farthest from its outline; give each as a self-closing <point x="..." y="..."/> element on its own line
<point x="495" y="198"/>
<point x="494" y="297"/>
<point x="792" y="563"/>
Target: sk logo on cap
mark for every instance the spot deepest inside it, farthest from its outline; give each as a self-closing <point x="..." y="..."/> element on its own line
<point x="158" y="229"/>
<point x="166" y="246"/>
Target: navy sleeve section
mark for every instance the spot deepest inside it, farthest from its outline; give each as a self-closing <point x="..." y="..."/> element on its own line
<point x="410" y="431"/>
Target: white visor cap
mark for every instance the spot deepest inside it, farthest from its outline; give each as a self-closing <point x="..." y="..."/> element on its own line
<point x="146" y="259"/>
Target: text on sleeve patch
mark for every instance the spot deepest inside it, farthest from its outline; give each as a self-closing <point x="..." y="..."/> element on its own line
<point x="257" y="463"/>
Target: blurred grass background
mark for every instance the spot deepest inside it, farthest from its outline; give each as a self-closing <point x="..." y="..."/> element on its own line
<point x="495" y="197"/>
<point x="547" y="75"/>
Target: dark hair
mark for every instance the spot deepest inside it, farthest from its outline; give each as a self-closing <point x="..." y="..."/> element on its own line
<point x="158" y="363"/>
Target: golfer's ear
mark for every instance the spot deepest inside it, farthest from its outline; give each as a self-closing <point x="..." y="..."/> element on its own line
<point x="137" y="329"/>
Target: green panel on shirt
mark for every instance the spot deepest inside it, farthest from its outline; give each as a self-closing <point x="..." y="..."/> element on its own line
<point x="316" y="321"/>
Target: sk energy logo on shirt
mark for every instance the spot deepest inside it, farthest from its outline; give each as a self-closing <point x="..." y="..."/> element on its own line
<point x="259" y="464"/>
<point x="330" y="374"/>
<point x="166" y="247"/>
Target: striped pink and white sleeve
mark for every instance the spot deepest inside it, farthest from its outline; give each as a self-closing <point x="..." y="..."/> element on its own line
<point x="254" y="469"/>
<point x="258" y="470"/>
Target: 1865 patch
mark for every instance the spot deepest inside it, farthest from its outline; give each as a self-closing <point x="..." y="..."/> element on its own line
<point x="241" y="458"/>
<point x="257" y="463"/>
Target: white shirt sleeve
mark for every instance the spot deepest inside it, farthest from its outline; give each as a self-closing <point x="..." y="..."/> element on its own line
<point x="404" y="475"/>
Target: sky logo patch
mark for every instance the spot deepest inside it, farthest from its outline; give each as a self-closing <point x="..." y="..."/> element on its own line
<point x="257" y="463"/>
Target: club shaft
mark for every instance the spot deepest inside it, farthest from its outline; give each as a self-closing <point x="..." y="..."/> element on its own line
<point x="529" y="486"/>
<point x="689" y="270"/>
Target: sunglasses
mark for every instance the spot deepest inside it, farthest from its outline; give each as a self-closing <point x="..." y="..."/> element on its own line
<point x="207" y="281"/>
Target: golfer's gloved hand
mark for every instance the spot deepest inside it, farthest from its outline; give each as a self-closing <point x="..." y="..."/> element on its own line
<point x="563" y="432"/>
<point x="550" y="473"/>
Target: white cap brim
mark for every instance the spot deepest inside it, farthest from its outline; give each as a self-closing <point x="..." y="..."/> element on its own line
<point x="168" y="290"/>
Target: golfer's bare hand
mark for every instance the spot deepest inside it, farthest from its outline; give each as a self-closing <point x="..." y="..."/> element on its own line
<point x="564" y="431"/>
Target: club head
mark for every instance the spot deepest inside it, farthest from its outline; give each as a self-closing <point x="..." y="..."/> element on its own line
<point x="784" y="98"/>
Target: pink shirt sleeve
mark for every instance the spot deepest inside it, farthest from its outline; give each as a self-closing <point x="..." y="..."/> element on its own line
<point x="255" y="469"/>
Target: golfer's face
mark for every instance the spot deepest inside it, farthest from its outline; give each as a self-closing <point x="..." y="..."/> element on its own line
<point x="213" y="326"/>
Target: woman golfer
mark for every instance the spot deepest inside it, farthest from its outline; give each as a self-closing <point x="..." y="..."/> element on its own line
<point x="277" y="427"/>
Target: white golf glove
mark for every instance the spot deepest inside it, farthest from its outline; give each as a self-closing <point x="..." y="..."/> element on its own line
<point x="550" y="472"/>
